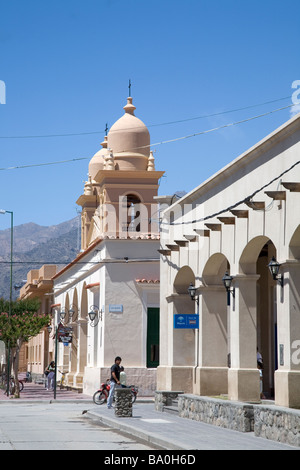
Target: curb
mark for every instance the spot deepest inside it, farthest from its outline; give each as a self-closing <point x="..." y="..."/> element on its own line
<point x="131" y="430"/>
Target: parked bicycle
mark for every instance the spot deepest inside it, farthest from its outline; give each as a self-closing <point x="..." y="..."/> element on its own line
<point x="62" y="382"/>
<point x="101" y="395"/>
<point x="12" y="386"/>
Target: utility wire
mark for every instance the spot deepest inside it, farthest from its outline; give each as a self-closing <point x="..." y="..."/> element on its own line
<point x="220" y="113"/>
<point x="44" y="164"/>
<point x="233" y="206"/>
<point x="216" y="128"/>
<point x="51" y="262"/>
<point x="124" y="260"/>
<point x="150" y="125"/>
<point x="73" y="262"/>
<point x="157" y="143"/>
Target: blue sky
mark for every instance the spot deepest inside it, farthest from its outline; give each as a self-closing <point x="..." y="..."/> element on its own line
<point x="66" y="66"/>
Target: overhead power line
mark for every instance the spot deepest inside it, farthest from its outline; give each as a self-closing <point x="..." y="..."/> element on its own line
<point x="44" y="164"/>
<point x="219" y="128"/>
<point x="204" y="116"/>
<point x="236" y="204"/>
<point x="220" y="113"/>
<point x="157" y="143"/>
<point x="125" y="260"/>
<point x="50" y="262"/>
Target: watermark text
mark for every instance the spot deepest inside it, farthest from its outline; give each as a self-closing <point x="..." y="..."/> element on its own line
<point x="295" y="109"/>
<point x="2" y="92"/>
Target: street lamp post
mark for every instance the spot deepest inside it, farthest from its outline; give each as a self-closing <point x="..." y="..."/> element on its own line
<point x="49" y="328"/>
<point x="193" y="292"/>
<point x="55" y="373"/>
<point x="2" y="211"/>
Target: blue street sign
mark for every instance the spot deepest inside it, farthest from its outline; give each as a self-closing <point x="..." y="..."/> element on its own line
<point x="186" y="321"/>
<point x="115" y="308"/>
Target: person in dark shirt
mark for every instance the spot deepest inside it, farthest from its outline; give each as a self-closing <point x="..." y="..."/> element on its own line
<point x="114" y="380"/>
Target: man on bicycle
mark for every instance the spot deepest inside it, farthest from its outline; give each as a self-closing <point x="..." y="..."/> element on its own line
<point x="114" y="380"/>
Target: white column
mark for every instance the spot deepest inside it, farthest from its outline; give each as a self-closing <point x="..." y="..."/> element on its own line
<point x="243" y="375"/>
<point x="211" y="377"/>
<point x="287" y="377"/>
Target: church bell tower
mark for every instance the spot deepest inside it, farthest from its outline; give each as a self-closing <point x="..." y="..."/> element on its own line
<point x="118" y="199"/>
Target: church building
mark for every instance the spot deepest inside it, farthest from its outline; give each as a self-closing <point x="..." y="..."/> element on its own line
<point x="109" y="294"/>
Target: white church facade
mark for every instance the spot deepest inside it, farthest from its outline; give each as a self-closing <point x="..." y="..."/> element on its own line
<point x="109" y="295"/>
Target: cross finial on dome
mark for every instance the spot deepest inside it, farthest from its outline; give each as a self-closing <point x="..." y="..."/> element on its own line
<point x="129" y="87"/>
<point x="129" y="108"/>
<point x="104" y="143"/>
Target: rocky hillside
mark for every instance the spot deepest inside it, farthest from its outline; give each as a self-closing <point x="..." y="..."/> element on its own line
<point x="28" y="236"/>
<point x="34" y="246"/>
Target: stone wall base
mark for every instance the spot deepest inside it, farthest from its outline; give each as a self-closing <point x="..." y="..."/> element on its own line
<point x="143" y="378"/>
<point x="165" y="398"/>
<point x="265" y="420"/>
<point x="277" y="424"/>
<point x="231" y="415"/>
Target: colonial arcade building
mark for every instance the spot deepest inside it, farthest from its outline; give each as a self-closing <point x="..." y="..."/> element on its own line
<point x="235" y="224"/>
<point x="109" y="294"/>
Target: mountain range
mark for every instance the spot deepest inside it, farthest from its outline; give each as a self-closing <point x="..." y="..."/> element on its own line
<point x="35" y="245"/>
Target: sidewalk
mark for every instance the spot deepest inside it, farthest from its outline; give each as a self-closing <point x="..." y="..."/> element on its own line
<point x="171" y="432"/>
<point x="35" y="392"/>
<point x="165" y="430"/>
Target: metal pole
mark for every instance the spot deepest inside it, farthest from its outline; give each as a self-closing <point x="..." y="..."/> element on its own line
<point x="55" y="373"/>
<point x="11" y="253"/>
<point x="197" y="341"/>
<point x="10" y="291"/>
<point x="8" y="367"/>
<point x="11" y="281"/>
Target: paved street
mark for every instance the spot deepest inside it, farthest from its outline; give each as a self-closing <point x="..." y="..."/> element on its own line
<point x="73" y="421"/>
<point x="59" y="426"/>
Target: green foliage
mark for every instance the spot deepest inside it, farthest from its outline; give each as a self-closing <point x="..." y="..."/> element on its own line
<point x="22" y="323"/>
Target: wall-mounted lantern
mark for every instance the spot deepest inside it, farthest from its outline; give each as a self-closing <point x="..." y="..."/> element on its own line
<point x="274" y="267"/>
<point x="95" y="315"/>
<point x="63" y="313"/>
<point x="227" y="281"/>
<point x="73" y="313"/>
<point x="193" y="291"/>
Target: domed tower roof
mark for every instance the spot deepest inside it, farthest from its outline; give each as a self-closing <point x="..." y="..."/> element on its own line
<point x="129" y="140"/>
<point x="97" y="163"/>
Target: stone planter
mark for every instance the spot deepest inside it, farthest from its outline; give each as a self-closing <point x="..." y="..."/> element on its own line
<point x="123" y="402"/>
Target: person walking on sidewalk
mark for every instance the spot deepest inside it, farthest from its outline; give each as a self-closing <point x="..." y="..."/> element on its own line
<point x="50" y="376"/>
<point x="114" y="380"/>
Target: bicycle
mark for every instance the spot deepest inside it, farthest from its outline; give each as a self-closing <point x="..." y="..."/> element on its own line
<point x="62" y="382"/>
<point x="3" y="381"/>
<point x="101" y="395"/>
<point x="12" y="386"/>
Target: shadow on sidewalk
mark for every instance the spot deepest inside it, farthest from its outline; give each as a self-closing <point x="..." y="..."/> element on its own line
<point x="34" y="392"/>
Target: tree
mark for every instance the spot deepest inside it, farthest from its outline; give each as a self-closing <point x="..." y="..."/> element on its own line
<point x="16" y="328"/>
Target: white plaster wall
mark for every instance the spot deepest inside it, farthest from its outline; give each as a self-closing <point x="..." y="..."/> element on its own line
<point x="239" y="179"/>
<point x="122" y="334"/>
<point x="244" y="240"/>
